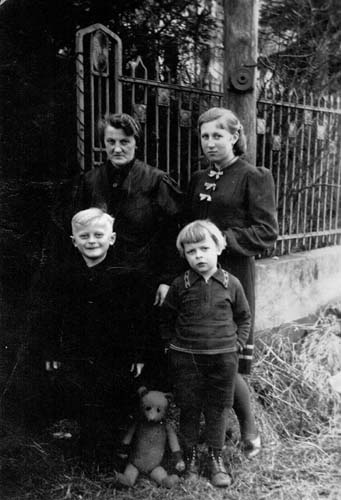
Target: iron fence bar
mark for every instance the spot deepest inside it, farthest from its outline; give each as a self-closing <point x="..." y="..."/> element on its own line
<point x="172" y="86"/>
<point x="295" y="173"/>
<point x="145" y="102"/>
<point x="302" y="197"/>
<point x="338" y="155"/>
<point x="168" y="139"/>
<point x="299" y="106"/>
<point x="157" y="125"/>
<point x="199" y="141"/>
<point x="315" y="154"/>
<point x="285" y="191"/>
<point x="189" y="135"/>
<point x="305" y="126"/>
<point x="178" y="152"/>
<point x="280" y="149"/>
<point x="92" y="108"/>
<point x="320" y="169"/>
<point x="328" y="200"/>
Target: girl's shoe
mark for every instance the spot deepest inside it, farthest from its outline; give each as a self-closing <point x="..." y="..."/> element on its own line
<point x="218" y="473"/>
<point x="251" y="447"/>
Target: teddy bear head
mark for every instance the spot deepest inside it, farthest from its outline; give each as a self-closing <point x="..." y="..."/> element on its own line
<point x="154" y="405"/>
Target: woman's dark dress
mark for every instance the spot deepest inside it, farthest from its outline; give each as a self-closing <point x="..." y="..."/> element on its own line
<point x="146" y="204"/>
<point x="240" y="200"/>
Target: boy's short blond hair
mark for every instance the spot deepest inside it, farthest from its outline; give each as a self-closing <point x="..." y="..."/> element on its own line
<point x="197" y="231"/>
<point x="85" y="217"/>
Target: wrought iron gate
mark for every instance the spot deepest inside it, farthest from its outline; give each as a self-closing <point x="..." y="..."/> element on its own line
<point x="298" y="135"/>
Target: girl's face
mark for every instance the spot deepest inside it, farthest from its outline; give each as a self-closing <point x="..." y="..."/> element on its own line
<point x="119" y="146"/>
<point x="217" y="143"/>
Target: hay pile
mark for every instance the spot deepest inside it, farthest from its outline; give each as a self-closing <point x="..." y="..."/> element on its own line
<point x="298" y="414"/>
<point x="292" y="380"/>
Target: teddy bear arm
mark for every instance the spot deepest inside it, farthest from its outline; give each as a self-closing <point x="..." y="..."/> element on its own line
<point x="127" y="439"/>
<point x="172" y="439"/>
<point x="175" y="448"/>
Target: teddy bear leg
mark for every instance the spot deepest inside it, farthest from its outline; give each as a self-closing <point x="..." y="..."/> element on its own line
<point x="129" y="476"/>
<point x="160" y="476"/>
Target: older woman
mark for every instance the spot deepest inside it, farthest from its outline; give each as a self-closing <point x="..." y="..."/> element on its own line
<point x="145" y="203"/>
<point x="240" y="199"/>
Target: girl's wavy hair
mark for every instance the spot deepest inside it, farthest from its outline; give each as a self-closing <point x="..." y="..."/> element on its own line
<point x="120" y="120"/>
<point x="228" y="121"/>
<point x="197" y="231"/>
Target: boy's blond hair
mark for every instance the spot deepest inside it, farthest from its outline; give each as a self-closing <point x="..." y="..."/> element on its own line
<point x="197" y="231"/>
<point x="85" y="217"/>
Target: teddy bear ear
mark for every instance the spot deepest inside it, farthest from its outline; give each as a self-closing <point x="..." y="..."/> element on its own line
<point x="169" y="396"/>
<point x="142" y="391"/>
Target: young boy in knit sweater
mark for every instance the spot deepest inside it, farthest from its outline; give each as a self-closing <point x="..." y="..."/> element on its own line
<point x="205" y="322"/>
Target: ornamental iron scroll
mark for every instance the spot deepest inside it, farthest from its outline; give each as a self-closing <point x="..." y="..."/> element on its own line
<point x="276" y="143"/>
<point x="163" y="97"/>
<point x="100" y="53"/>
<point x="292" y="132"/>
<point x="185" y="118"/>
<point x="140" y="112"/>
<point x="261" y="126"/>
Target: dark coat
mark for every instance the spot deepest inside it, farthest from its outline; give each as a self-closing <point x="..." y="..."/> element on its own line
<point x="241" y="202"/>
<point x="90" y="313"/>
<point x="146" y="204"/>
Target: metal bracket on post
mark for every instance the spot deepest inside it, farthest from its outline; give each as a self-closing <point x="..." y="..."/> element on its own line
<point x="243" y="78"/>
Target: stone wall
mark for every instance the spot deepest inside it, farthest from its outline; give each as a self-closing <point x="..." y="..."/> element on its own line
<point x="294" y="286"/>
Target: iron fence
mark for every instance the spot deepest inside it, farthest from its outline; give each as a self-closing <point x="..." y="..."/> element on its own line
<point x="298" y="137"/>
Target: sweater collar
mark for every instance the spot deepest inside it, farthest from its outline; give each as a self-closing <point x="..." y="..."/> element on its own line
<point x="219" y="276"/>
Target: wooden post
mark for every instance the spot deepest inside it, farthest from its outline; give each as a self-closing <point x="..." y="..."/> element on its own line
<point x="241" y="33"/>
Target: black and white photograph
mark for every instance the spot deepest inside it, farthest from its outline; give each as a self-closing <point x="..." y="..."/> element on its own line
<point x="170" y="250"/>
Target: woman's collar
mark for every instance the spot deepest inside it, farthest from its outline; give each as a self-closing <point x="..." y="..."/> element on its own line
<point x="225" y="165"/>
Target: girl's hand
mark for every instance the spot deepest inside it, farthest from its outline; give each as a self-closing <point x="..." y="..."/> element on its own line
<point x="137" y="368"/>
<point x="160" y="295"/>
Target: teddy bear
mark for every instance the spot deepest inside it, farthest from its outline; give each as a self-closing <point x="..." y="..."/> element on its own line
<point x="148" y="438"/>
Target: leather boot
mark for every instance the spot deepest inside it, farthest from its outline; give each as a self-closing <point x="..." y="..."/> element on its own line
<point x="192" y="463"/>
<point x="217" y="471"/>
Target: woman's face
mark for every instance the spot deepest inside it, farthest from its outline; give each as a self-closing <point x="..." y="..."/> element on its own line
<point x="119" y="146"/>
<point x="216" y="142"/>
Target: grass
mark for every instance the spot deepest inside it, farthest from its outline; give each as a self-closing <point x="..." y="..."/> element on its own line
<point x="298" y="414"/>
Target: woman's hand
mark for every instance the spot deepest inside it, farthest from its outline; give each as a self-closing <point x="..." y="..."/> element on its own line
<point x="137" y="368"/>
<point x="160" y="295"/>
<point x="51" y="366"/>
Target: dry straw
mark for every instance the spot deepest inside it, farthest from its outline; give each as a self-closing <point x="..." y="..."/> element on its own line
<point x="298" y="415"/>
<point x="291" y="379"/>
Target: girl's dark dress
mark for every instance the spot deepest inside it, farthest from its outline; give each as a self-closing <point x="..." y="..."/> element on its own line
<point x="240" y="200"/>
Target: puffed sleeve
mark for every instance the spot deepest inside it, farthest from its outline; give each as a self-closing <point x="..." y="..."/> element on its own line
<point x="262" y="231"/>
<point x="169" y="196"/>
<point x="241" y="312"/>
<point x="169" y="201"/>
